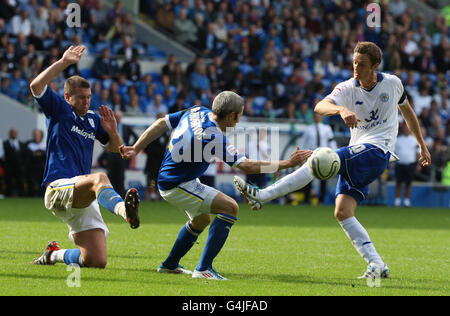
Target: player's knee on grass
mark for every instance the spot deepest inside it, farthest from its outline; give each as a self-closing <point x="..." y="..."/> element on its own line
<point x="92" y="261"/>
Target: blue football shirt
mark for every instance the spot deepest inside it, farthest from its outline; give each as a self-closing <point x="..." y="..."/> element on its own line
<point x="70" y="138"/>
<point x="196" y="140"/>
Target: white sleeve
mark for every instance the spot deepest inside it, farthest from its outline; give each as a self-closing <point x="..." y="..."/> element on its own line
<point x="341" y="94"/>
<point x="42" y="93"/>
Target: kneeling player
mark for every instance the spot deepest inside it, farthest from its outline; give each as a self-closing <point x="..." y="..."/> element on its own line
<point x="71" y="191"/>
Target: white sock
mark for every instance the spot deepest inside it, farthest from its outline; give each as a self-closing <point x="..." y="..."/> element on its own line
<point x="120" y="210"/>
<point x="361" y="240"/>
<point x="290" y="183"/>
<point x="407" y="202"/>
<point x="57" y="256"/>
<point x="397" y="202"/>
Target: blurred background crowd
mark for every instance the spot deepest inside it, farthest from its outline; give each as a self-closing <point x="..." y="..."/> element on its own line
<point x="282" y="56"/>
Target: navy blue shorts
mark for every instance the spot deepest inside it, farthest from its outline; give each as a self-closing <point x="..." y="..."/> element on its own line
<point x="360" y="166"/>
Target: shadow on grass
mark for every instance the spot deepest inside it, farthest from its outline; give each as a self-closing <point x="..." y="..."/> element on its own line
<point x="392" y="283"/>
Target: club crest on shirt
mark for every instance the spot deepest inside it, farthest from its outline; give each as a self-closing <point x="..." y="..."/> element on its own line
<point x="91" y="121"/>
<point x="384" y="97"/>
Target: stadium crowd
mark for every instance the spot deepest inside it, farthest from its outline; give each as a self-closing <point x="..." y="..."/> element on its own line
<point x="282" y="56"/>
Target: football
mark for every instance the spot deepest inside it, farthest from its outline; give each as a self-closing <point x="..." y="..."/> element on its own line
<point x="324" y="163"/>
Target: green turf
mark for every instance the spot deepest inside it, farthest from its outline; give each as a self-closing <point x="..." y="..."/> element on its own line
<point x="280" y="250"/>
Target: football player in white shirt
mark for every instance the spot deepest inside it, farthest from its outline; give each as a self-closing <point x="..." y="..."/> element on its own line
<point x="368" y="104"/>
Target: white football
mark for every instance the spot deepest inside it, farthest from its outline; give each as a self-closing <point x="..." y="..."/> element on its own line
<point x="324" y="163"/>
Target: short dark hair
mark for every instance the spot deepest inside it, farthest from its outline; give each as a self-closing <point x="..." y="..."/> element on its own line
<point x="371" y="50"/>
<point x="75" y="82"/>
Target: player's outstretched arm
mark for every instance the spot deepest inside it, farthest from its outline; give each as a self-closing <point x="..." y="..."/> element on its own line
<point x="250" y="166"/>
<point x="413" y="124"/>
<point x="71" y="56"/>
<point x="152" y="133"/>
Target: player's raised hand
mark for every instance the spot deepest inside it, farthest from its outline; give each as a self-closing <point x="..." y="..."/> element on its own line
<point x="127" y="152"/>
<point x="109" y="122"/>
<point x="73" y="54"/>
<point x="350" y="118"/>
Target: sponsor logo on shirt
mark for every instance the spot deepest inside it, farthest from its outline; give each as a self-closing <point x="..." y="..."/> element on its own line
<point x="82" y="133"/>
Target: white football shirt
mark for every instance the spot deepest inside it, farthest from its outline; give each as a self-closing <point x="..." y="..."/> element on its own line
<point x="376" y="108"/>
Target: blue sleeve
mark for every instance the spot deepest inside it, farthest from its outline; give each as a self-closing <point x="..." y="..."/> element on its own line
<point x="228" y="153"/>
<point x="51" y="104"/>
<point x="173" y="119"/>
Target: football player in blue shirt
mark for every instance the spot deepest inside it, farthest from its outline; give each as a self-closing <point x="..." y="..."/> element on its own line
<point x="72" y="192"/>
<point x="197" y="139"/>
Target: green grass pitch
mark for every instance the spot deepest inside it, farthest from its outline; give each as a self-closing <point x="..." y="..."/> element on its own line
<point x="277" y="251"/>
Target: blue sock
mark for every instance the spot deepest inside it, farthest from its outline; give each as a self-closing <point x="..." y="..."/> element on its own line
<point x="185" y="240"/>
<point x="218" y="234"/>
<point x="108" y="198"/>
<point x="73" y="256"/>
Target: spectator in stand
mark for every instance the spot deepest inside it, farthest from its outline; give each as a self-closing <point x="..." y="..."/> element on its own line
<point x="185" y="30"/>
<point x="14" y="164"/>
<point x="18" y="86"/>
<point x="199" y="82"/>
<point x="117" y="10"/>
<point x="397" y="7"/>
<point x="442" y="156"/>
<point x="5" y="87"/>
<point x="104" y="97"/>
<point x="105" y="66"/>
<point x="35" y="163"/>
<point x="132" y="68"/>
<point x="7" y="11"/>
<point x="134" y="107"/>
<point x="305" y="114"/>
<point x="9" y="56"/>
<point x="147" y="97"/>
<point x="170" y="66"/>
<point x="207" y="42"/>
<point x="117" y="103"/>
<point x="165" y="17"/>
<point x="179" y="80"/>
<point x="127" y="50"/>
<point x="249" y="110"/>
<point x="157" y="106"/>
<point x="21" y="23"/>
<point x="421" y="101"/>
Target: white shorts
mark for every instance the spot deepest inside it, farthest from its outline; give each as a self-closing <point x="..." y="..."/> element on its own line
<point x="58" y="199"/>
<point x="192" y="197"/>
